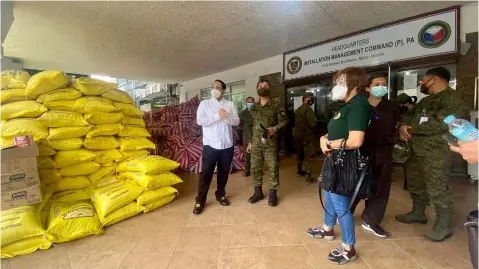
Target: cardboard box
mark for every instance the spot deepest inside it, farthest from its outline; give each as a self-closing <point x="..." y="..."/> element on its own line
<point x="17" y="158"/>
<point x="27" y="196"/>
<point x="19" y="180"/>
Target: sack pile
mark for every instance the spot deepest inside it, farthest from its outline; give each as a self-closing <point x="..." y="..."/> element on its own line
<point x="178" y="136"/>
<point x="87" y="131"/>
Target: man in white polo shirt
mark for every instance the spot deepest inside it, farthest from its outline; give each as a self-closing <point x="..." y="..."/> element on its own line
<point x="216" y="115"/>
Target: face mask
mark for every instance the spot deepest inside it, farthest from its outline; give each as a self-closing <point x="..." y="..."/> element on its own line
<point x="249" y="105"/>
<point x="379" y="91"/>
<point x="425" y="89"/>
<point x="310" y="102"/>
<point x="263" y="92"/>
<point x="215" y="93"/>
<point x="339" y="92"/>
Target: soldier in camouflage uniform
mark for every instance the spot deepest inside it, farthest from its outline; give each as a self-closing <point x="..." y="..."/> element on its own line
<point x="269" y="116"/>
<point x="245" y="118"/>
<point x="305" y="136"/>
<point x="332" y="109"/>
<point x="427" y="168"/>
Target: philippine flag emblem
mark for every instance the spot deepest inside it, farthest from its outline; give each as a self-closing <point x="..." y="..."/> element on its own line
<point x="434" y="34"/>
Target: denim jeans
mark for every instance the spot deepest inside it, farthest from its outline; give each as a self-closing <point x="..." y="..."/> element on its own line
<point x="336" y="205"/>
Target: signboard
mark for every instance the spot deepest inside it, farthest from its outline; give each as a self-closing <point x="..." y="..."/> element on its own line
<point x="428" y="35"/>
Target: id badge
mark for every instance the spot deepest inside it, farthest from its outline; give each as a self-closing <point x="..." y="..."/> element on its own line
<point x="423" y="119"/>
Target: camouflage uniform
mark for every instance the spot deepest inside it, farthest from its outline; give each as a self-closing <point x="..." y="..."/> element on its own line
<point x="245" y="118"/>
<point x="427" y="168"/>
<point x="272" y="114"/>
<point x="332" y="109"/>
<point x="305" y="137"/>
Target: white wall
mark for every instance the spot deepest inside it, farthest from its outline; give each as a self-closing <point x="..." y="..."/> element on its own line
<point x="251" y="72"/>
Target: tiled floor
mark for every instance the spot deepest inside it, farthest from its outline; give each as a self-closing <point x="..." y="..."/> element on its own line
<point x="245" y="236"/>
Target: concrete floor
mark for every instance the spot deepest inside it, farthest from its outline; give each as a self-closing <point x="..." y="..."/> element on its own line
<point x="256" y="236"/>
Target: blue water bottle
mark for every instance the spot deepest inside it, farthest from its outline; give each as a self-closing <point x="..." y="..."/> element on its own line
<point x="461" y="129"/>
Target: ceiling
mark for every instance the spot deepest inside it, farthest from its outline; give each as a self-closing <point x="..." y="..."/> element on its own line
<point x="172" y="42"/>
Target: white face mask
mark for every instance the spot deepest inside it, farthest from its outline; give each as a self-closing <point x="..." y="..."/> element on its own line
<point x="215" y="93"/>
<point x="339" y="92"/>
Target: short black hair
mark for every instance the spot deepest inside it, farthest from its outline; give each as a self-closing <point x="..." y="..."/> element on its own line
<point x="223" y="85"/>
<point x="375" y="76"/>
<point x="261" y="81"/>
<point x="439" y="72"/>
<point x="249" y="97"/>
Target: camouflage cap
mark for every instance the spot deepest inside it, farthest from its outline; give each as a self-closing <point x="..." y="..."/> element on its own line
<point x="403" y="98"/>
<point x="308" y="94"/>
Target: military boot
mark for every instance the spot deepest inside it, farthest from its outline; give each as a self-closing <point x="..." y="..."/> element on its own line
<point x="246" y="173"/>
<point x="441" y="229"/>
<point x="417" y="215"/>
<point x="300" y="172"/>
<point x="308" y="178"/>
<point x="257" y="195"/>
<point x="273" y="198"/>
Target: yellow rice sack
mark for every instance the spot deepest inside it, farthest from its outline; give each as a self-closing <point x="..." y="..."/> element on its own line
<point x="15" y="79"/>
<point x="65" y="144"/>
<point x="57" y="118"/>
<point x="25" y="246"/>
<point x="118" y="96"/>
<point x="128" y="109"/>
<point x="70" y="221"/>
<point x="19" y="127"/>
<point x="48" y="176"/>
<point x="13" y="95"/>
<point x="108" y="180"/>
<point x="158" y="203"/>
<point x="114" y="196"/>
<point x="148" y="165"/>
<point x="61" y="94"/>
<point x="22" y="109"/>
<point x="20" y="223"/>
<point x="62" y="105"/>
<point x="133" y="121"/>
<point x="103" y="117"/>
<point x="72" y="196"/>
<point x="107" y="156"/>
<point x="93" y="104"/>
<point x="132" y="153"/>
<point x="4" y="81"/>
<point x="71" y="183"/>
<point x="150" y="182"/>
<point x="129" y="144"/>
<point x="134" y="131"/>
<point x="67" y="132"/>
<point x="6" y="142"/>
<point x="105" y="130"/>
<point x="80" y="169"/>
<point x="70" y="157"/>
<point x="153" y="195"/>
<point x="46" y="81"/>
<point x="128" y="211"/>
<point x="101" y="143"/>
<point x="91" y="86"/>
<point x="44" y="150"/>
<point x="45" y="162"/>
<point x="101" y="173"/>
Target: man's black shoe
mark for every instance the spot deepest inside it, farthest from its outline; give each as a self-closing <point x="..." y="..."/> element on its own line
<point x="198" y="209"/>
<point x="223" y="201"/>
<point x="273" y="198"/>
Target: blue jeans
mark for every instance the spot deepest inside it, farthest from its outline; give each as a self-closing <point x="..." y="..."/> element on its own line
<point x="336" y="205"/>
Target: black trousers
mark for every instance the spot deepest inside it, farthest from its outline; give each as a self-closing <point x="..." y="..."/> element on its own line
<point x="212" y="158"/>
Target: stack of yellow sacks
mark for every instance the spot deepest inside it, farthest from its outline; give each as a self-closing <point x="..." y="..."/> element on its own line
<point x="83" y="129"/>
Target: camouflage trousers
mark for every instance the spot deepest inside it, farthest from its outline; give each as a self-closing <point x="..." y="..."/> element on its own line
<point x="259" y="156"/>
<point x="427" y="181"/>
<point x="247" y="159"/>
<point x="307" y="153"/>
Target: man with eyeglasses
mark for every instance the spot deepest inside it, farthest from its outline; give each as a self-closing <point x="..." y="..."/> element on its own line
<point x="217" y="116"/>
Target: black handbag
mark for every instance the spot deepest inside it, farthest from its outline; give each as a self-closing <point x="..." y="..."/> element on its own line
<point x="347" y="173"/>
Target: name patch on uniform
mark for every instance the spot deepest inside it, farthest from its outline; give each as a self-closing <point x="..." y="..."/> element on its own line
<point x="337" y="116"/>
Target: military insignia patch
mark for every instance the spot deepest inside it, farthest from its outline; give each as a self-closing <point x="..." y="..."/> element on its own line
<point x="337" y="116"/>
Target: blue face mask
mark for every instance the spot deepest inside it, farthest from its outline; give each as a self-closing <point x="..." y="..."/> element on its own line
<point x="249" y="105"/>
<point x="379" y="91"/>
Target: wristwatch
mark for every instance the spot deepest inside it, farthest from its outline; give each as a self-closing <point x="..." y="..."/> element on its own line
<point x="328" y="144"/>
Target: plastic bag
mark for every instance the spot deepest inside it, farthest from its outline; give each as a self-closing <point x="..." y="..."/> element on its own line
<point x="128" y="211"/>
<point x="61" y="94"/>
<point x="133" y="121"/>
<point x="65" y="144"/>
<point x="71" y="196"/>
<point x="153" y="181"/>
<point x="71" y="183"/>
<point x="15" y="79"/>
<point x="103" y="117"/>
<point x="46" y="81"/>
<point x="4" y="80"/>
<point x="101" y="173"/>
<point x="91" y="86"/>
<point x="45" y="162"/>
<point x="93" y="104"/>
<point x="20" y="223"/>
<point x="67" y="132"/>
<point x="134" y="131"/>
<point x="19" y="127"/>
<point x="148" y="165"/>
<point x="129" y="144"/>
<point x="105" y="130"/>
<point x="118" y="96"/>
<point x="80" y="169"/>
<point x="57" y="118"/>
<point x="107" y="156"/>
<point x="48" y="176"/>
<point x="22" y="109"/>
<point x="71" y="157"/>
<point x="153" y="195"/>
<point x="114" y="196"/>
<point x="101" y="143"/>
<point x="108" y="180"/>
<point x="62" y="105"/>
<point x="158" y="203"/>
<point x="25" y="246"/>
<point x="44" y="150"/>
<point x="70" y="221"/>
<point x="13" y="95"/>
<point x="128" y="109"/>
<point x="132" y="153"/>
